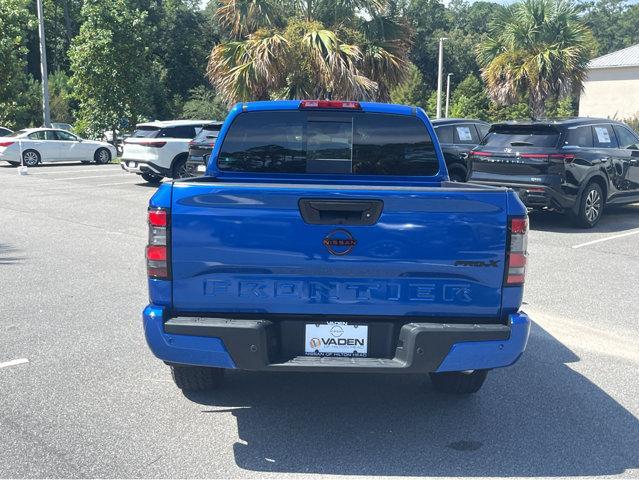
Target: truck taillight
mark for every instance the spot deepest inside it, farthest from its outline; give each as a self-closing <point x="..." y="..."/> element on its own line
<point x="330" y="104"/>
<point x="517" y="250"/>
<point x="157" y="251"/>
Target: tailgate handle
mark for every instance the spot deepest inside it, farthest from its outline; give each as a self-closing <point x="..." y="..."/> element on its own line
<point x="317" y="211"/>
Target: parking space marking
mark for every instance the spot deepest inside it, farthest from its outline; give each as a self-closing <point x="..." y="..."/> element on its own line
<point x="91" y="176"/>
<point x="11" y="363"/>
<point x="605" y="239"/>
<point x="76" y="170"/>
<point x="135" y="180"/>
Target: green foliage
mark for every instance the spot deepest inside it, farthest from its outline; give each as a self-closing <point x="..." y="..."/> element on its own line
<point x="412" y="91"/>
<point x="281" y="49"/>
<point x="15" y="85"/>
<point x="431" y="104"/>
<point x="204" y="104"/>
<point x="535" y="48"/>
<point x="179" y="47"/>
<point x="633" y="123"/>
<point x="515" y="111"/>
<point x="614" y="24"/>
<point x="469" y="100"/>
<point x="110" y="64"/>
<point x="60" y="98"/>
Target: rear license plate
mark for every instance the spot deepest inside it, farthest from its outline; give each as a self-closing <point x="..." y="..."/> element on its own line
<point x="336" y="339"/>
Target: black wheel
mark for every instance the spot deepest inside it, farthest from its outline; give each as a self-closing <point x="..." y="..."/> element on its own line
<point x="461" y="383"/>
<point x="30" y="158"/>
<point x="197" y="379"/>
<point x="180" y="169"/>
<point x="102" y="156"/>
<point x="591" y="206"/>
<point x="150" y="178"/>
<point x="457" y="176"/>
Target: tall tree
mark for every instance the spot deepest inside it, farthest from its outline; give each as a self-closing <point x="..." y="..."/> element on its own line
<point x="536" y="47"/>
<point x="469" y="99"/>
<point x="110" y="64"/>
<point x="15" y="95"/>
<point x="281" y="49"/>
<point x="614" y="24"/>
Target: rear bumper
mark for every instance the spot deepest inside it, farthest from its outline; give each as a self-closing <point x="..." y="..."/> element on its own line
<point x="252" y="345"/>
<point x="537" y="195"/>
<point x="139" y="167"/>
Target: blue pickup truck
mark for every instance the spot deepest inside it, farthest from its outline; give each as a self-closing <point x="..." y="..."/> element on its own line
<point x="326" y="237"/>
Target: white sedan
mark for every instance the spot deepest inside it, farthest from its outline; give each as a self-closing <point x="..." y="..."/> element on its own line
<point x="37" y="145"/>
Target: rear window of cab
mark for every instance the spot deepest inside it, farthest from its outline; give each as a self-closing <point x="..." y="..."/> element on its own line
<point x="318" y="142"/>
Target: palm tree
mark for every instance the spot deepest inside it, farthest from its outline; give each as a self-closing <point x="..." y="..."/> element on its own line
<point x="292" y="49"/>
<point x="537" y="49"/>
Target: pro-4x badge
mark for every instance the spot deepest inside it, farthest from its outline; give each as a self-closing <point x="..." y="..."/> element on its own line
<point x="339" y="242"/>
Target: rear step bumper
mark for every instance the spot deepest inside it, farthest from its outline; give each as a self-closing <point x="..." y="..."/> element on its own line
<point x="421" y="348"/>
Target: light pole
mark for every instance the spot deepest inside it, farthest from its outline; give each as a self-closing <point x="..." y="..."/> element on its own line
<point x="439" y="76"/>
<point x="447" y="94"/>
<point x="46" y="115"/>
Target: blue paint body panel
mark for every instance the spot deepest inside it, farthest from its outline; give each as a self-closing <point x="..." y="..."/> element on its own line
<point x="240" y="245"/>
<point x="182" y="349"/>
<point x="491" y="354"/>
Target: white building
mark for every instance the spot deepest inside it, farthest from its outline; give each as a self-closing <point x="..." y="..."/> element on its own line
<point x="611" y="88"/>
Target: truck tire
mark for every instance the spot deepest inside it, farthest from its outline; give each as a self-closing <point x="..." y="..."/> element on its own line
<point x="591" y="206"/>
<point x="196" y="379"/>
<point x="180" y="169"/>
<point x="461" y="383"/>
<point x="150" y="178"/>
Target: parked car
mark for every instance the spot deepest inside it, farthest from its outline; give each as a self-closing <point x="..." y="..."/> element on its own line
<point x="160" y="149"/>
<point x="576" y="166"/>
<point x="457" y="137"/>
<point x="5" y="131"/>
<point x="40" y="145"/>
<point x="201" y="147"/>
<point x="117" y="142"/>
<point x="62" y="126"/>
<point x="325" y="238"/>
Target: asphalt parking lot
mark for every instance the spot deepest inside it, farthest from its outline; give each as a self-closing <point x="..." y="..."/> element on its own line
<point x="82" y="395"/>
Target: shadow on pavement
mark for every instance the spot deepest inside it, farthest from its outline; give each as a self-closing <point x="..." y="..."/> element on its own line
<point x="537" y="418"/>
<point x="7" y="255"/>
<point x="615" y="219"/>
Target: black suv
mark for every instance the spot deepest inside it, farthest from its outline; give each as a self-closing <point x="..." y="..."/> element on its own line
<point x="576" y="166"/>
<point x="201" y="147"/>
<point x="457" y="137"/>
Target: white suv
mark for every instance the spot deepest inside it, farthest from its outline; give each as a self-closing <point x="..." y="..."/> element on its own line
<point x="160" y="149"/>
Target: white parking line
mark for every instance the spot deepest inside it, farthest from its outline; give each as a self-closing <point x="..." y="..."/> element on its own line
<point x="11" y="363"/>
<point x="135" y="180"/>
<point x="34" y="171"/>
<point x="91" y="176"/>
<point x="605" y="239"/>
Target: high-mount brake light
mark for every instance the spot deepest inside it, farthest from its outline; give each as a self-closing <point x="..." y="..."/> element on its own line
<point x="516" y="254"/>
<point x="6" y="144"/>
<point x="330" y="104"/>
<point x="157" y="250"/>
